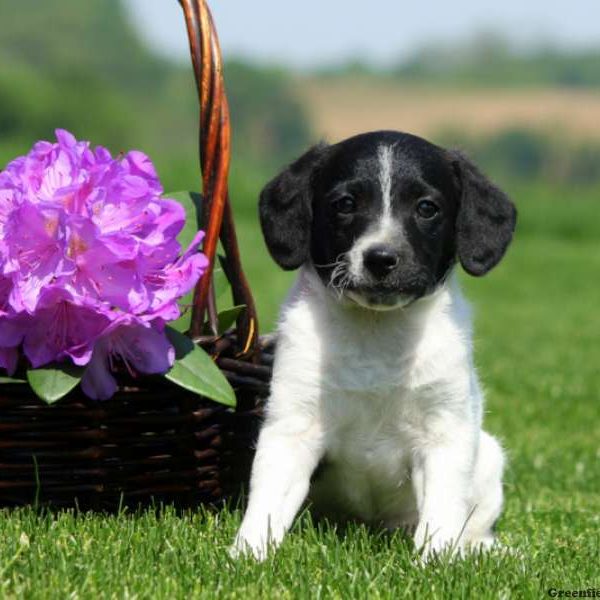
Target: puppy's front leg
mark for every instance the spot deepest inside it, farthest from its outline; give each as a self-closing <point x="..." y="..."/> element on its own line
<point x="442" y="479"/>
<point x="286" y="457"/>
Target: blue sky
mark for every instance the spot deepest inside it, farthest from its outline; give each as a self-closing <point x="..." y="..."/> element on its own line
<point x="316" y="32"/>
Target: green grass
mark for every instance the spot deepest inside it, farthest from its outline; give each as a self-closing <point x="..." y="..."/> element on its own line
<point x="537" y="331"/>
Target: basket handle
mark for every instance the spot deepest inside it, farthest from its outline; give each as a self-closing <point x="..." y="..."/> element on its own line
<point x="215" y="154"/>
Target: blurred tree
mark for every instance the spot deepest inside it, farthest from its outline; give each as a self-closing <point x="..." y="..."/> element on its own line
<point x="79" y="65"/>
<point x="63" y="37"/>
<point x="268" y="120"/>
<point x="489" y="58"/>
<point x="526" y="155"/>
<point x="517" y="152"/>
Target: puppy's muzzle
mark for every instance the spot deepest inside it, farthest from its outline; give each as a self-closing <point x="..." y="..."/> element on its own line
<point x="380" y="260"/>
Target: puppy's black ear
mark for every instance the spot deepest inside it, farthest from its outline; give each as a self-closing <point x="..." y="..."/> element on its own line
<point x="285" y="210"/>
<point x="486" y="218"/>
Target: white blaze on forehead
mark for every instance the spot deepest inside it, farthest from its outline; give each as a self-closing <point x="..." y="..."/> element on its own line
<point x="385" y="229"/>
<point x="385" y="154"/>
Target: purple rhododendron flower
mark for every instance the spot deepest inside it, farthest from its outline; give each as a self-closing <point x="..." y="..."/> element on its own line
<point x="90" y="265"/>
<point x="62" y="329"/>
<point x="140" y="348"/>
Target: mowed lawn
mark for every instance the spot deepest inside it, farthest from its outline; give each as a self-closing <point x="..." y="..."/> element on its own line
<point x="538" y="351"/>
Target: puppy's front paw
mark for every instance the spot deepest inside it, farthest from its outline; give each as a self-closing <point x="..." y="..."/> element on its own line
<point x="433" y="542"/>
<point x="249" y="543"/>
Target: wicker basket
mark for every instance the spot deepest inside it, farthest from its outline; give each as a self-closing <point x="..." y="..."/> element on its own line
<point x="153" y="441"/>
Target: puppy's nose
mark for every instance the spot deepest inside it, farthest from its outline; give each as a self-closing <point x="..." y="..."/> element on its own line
<point x="381" y="259"/>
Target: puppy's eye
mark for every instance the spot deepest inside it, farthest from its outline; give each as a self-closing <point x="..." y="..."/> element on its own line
<point x="427" y="209"/>
<point x="346" y="205"/>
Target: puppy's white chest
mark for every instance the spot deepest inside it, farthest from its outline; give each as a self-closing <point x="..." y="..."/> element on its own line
<point x="366" y="459"/>
<point x="366" y="409"/>
<point x="366" y="403"/>
<point x="361" y="370"/>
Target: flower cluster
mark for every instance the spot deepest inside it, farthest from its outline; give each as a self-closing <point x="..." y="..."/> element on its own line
<point x="90" y="267"/>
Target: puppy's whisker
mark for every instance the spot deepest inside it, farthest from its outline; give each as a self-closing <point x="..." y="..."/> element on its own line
<point x="340" y="277"/>
<point x="326" y="265"/>
<point x="338" y="272"/>
<point x="339" y="259"/>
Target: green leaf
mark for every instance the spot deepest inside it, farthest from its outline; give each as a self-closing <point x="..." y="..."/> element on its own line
<point x="185" y="304"/>
<point x="192" y="204"/>
<point x="220" y="282"/>
<point x="195" y="370"/>
<point x="226" y="318"/>
<point x="52" y="382"/>
<point x="7" y="379"/>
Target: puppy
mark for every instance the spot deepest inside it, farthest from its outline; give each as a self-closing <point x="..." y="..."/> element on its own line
<point x="373" y="380"/>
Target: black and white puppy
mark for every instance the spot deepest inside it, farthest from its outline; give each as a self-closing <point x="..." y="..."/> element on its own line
<point x="374" y="377"/>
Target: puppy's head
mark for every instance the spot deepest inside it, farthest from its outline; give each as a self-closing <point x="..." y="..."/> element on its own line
<point x="383" y="217"/>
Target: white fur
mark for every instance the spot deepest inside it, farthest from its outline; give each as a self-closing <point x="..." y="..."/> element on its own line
<point x="392" y="402"/>
<point x="386" y="158"/>
<point x="386" y="230"/>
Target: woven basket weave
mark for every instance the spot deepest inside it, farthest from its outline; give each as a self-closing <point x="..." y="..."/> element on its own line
<point x="153" y="441"/>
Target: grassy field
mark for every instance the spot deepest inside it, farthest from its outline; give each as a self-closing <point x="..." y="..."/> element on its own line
<point x="343" y="106"/>
<point x="537" y="333"/>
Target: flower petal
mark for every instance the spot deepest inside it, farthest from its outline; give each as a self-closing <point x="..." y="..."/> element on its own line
<point x="145" y="349"/>
<point x="62" y="328"/>
<point x="97" y="382"/>
<point x="65" y="138"/>
<point x="9" y="357"/>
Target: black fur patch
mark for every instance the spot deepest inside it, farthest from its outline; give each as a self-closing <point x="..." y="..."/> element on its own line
<point x="486" y="220"/>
